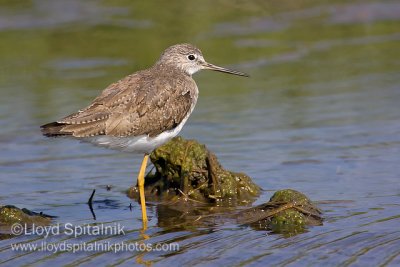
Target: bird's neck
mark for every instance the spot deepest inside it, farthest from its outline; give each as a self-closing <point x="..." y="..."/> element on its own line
<point x="170" y="68"/>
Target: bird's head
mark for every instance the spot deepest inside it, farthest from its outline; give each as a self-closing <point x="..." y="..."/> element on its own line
<point x="189" y="58"/>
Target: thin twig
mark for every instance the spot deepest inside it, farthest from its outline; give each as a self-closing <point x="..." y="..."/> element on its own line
<point x="90" y="203"/>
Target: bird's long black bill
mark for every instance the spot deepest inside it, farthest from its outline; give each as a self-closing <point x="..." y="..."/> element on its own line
<point x="210" y="66"/>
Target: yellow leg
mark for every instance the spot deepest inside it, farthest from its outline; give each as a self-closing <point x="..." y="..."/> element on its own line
<point x="141" y="189"/>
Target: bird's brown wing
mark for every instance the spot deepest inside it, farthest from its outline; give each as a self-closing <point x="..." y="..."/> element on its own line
<point x="136" y="105"/>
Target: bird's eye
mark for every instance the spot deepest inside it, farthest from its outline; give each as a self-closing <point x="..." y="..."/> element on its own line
<point x="191" y="57"/>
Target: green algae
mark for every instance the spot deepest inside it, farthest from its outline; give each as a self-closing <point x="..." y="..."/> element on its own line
<point x="187" y="168"/>
<point x="10" y="215"/>
<point x="287" y="212"/>
<point x="193" y="189"/>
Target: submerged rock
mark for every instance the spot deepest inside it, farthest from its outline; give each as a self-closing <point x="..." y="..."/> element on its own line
<point x="187" y="168"/>
<point x="195" y="190"/>
<point x="288" y="212"/>
<point x="10" y="214"/>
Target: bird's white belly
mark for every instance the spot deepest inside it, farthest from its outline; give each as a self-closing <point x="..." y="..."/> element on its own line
<point x="137" y="144"/>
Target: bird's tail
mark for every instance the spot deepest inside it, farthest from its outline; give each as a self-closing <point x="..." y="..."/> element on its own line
<point x="54" y="129"/>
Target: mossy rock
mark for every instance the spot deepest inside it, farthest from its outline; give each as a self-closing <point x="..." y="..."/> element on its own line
<point x="290" y="195"/>
<point x="288" y="212"/>
<point x="10" y="214"/>
<point x="187" y="168"/>
<point x="194" y="190"/>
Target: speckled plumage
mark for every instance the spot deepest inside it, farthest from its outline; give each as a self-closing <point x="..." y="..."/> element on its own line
<point x="141" y="106"/>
